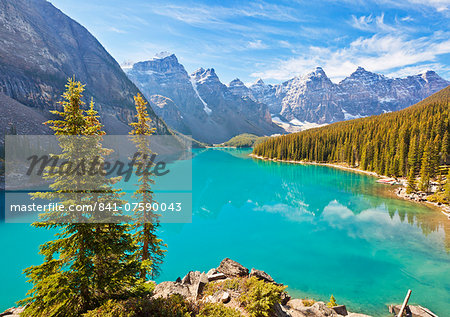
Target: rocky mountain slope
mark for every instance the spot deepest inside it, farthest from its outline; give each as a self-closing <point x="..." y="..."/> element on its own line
<point x="199" y="104"/>
<point x="314" y="98"/>
<point x="40" y="47"/>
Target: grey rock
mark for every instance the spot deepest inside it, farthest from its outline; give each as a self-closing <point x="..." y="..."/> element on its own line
<point x="285" y="298"/>
<point x="201" y="284"/>
<point x="261" y="275"/>
<point x="279" y="310"/>
<point x="210" y="299"/>
<point x="165" y="289"/>
<point x="13" y="312"/>
<point x="225" y="298"/>
<point x="295" y="308"/>
<point x="191" y="278"/>
<point x="232" y="268"/>
<point x="41" y="47"/>
<point x="216" y="276"/>
<point x="416" y="311"/>
<point x="211" y="272"/>
<point x="340" y="309"/>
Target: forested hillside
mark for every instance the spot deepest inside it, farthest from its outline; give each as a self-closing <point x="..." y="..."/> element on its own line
<point x="413" y="141"/>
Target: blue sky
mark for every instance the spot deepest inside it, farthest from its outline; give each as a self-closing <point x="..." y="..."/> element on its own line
<point x="275" y="40"/>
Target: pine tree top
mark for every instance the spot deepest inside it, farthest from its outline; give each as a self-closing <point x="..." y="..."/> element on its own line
<point x="142" y="126"/>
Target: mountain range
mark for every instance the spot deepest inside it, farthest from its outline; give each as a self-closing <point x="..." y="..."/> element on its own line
<point x="40" y="48"/>
<point x="199" y="104"/>
<point x="314" y="98"/>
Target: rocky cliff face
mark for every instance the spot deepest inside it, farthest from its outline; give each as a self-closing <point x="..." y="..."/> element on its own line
<point x="314" y="98"/>
<point x="205" y="108"/>
<point x="238" y="88"/>
<point x="40" y="47"/>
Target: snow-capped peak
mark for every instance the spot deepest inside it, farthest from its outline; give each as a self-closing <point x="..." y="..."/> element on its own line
<point x="236" y="82"/>
<point x="259" y="82"/>
<point x="203" y="75"/>
<point x="162" y="55"/>
<point x="316" y="72"/>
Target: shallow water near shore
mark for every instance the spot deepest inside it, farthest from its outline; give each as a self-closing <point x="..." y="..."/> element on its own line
<point x="318" y="229"/>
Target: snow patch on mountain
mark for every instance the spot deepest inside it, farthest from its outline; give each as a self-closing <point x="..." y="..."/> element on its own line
<point x="205" y="105"/>
<point x="349" y="116"/>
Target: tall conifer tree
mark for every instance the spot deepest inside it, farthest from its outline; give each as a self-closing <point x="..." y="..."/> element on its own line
<point x="88" y="262"/>
<point x="151" y="248"/>
<point x="425" y="169"/>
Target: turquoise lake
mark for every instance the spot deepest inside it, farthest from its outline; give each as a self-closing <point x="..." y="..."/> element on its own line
<point x="317" y="229"/>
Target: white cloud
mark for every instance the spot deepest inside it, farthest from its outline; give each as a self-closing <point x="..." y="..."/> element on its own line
<point x="284" y="44"/>
<point x="257" y="44"/>
<point x="407" y="19"/>
<point x="116" y="30"/>
<point x="203" y="14"/>
<point x="378" y="53"/>
<point x="439" y="5"/>
<point x="372" y="24"/>
<point x="418" y="69"/>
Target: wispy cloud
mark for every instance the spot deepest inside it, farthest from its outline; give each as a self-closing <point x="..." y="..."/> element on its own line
<point x="257" y="44"/>
<point x="380" y="53"/>
<point x="442" y="6"/>
<point x="438" y="5"/>
<point x="407" y="19"/>
<point x="370" y="23"/>
<point x="285" y="44"/>
<point x="418" y="69"/>
<point x="204" y="14"/>
<point x="116" y="30"/>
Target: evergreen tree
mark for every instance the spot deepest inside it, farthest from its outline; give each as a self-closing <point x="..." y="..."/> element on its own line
<point x="88" y="262"/>
<point x="447" y="187"/>
<point x="412" y="153"/>
<point x="425" y="169"/>
<point x="389" y="144"/>
<point x="151" y="248"/>
<point x="411" y="186"/>
<point x="445" y="148"/>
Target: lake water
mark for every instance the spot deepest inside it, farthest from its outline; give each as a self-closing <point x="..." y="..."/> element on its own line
<point x="320" y="230"/>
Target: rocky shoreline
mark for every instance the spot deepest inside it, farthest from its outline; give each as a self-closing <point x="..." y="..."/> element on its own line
<point x="201" y="287"/>
<point x="222" y="286"/>
<point x="226" y="289"/>
<point x="417" y="197"/>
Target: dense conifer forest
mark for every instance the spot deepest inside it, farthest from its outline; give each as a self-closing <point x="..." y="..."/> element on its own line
<point x="413" y="142"/>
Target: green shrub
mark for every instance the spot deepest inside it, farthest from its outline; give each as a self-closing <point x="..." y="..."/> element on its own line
<point x="332" y="301"/>
<point x="173" y="306"/>
<point x="259" y="297"/>
<point x="308" y="302"/>
<point x="110" y="309"/>
<point x="438" y="197"/>
<point x="218" y="310"/>
<point x="228" y="284"/>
